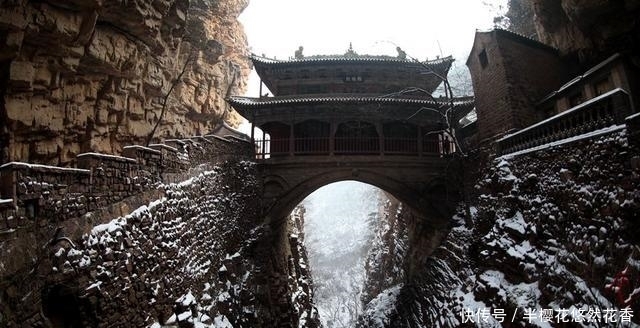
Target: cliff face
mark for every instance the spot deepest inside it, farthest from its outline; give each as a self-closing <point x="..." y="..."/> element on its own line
<point x="554" y="229"/>
<point x="385" y="259"/>
<point x="78" y="76"/>
<point x="587" y="27"/>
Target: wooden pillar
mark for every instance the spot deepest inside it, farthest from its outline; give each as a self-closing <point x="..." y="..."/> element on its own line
<point x="380" y="137"/>
<point x="263" y="144"/>
<point x="260" y="88"/>
<point x="333" y="127"/>
<point x="292" y="143"/>
<point x="420" y="141"/>
<point x="253" y="127"/>
<point x="253" y="140"/>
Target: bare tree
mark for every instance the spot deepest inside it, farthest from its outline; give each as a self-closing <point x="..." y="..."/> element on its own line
<point x="174" y="83"/>
<point x="460" y="80"/>
<point x="445" y="109"/>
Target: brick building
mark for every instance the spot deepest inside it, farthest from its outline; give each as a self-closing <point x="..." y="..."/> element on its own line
<point x="510" y="74"/>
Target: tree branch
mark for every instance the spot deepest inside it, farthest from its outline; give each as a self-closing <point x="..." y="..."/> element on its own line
<point x="175" y="82"/>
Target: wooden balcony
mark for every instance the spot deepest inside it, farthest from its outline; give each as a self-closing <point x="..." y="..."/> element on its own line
<point x="270" y="148"/>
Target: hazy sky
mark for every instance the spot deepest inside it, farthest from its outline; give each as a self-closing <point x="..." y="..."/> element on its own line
<point x="423" y="28"/>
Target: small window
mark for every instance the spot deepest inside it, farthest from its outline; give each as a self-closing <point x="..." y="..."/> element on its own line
<point x="482" y="57"/>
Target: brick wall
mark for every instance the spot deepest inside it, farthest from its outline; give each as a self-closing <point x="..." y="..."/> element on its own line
<point x="518" y="73"/>
<point x="532" y="73"/>
<point x="489" y="85"/>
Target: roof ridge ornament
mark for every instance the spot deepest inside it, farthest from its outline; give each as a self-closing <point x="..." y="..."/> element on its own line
<point x="298" y="53"/>
<point x="350" y="52"/>
<point x="402" y="55"/>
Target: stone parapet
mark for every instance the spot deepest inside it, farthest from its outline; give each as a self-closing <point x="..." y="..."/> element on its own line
<point x="633" y="129"/>
<point x="32" y="191"/>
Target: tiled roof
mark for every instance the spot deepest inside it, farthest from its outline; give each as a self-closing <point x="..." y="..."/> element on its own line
<point x="260" y="102"/>
<point x="526" y="39"/>
<point x="513" y="36"/>
<point x="337" y="58"/>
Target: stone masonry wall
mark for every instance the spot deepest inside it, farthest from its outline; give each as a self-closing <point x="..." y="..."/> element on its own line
<point x="527" y="82"/>
<point x="56" y="194"/>
<point x="92" y="76"/>
<point x="489" y="87"/>
<point x="183" y="259"/>
<point x="552" y="229"/>
<point x="44" y="205"/>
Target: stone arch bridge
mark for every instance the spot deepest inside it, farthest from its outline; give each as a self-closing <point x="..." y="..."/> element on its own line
<point x="426" y="184"/>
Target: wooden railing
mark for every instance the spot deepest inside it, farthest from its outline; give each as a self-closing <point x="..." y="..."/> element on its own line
<point x="603" y="111"/>
<point x="311" y="146"/>
<point x="354" y="146"/>
<point x="401" y="146"/>
<point x="357" y="146"/>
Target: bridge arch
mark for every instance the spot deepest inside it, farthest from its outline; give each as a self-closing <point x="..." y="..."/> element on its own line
<point x="420" y="201"/>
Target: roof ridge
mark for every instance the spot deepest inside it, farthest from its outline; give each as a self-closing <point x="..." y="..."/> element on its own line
<point x="310" y="98"/>
<point x="529" y="39"/>
<point x="337" y="58"/>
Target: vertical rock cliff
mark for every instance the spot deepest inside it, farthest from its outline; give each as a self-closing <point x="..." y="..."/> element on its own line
<point x="588" y="28"/>
<point x="78" y="76"/>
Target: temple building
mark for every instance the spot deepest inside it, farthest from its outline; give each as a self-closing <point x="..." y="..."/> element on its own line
<point x="351" y="104"/>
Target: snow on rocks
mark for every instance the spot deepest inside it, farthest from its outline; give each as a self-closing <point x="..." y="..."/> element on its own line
<point x="556" y="231"/>
<point x="160" y="261"/>
<point x="548" y="230"/>
<point x="378" y="311"/>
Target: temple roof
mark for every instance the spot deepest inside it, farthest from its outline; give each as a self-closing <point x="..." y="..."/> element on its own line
<point x="264" y="61"/>
<point x="249" y="102"/>
<point x="349" y="73"/>
<point x="286" y="108"/>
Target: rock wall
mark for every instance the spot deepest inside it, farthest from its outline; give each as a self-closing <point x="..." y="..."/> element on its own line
<point x="385" y="264"/>
<point x="300" y="280"/>
<point x="285" y="285"/>
<point x="80" y="76"/>
<point x="590" y="29"/>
